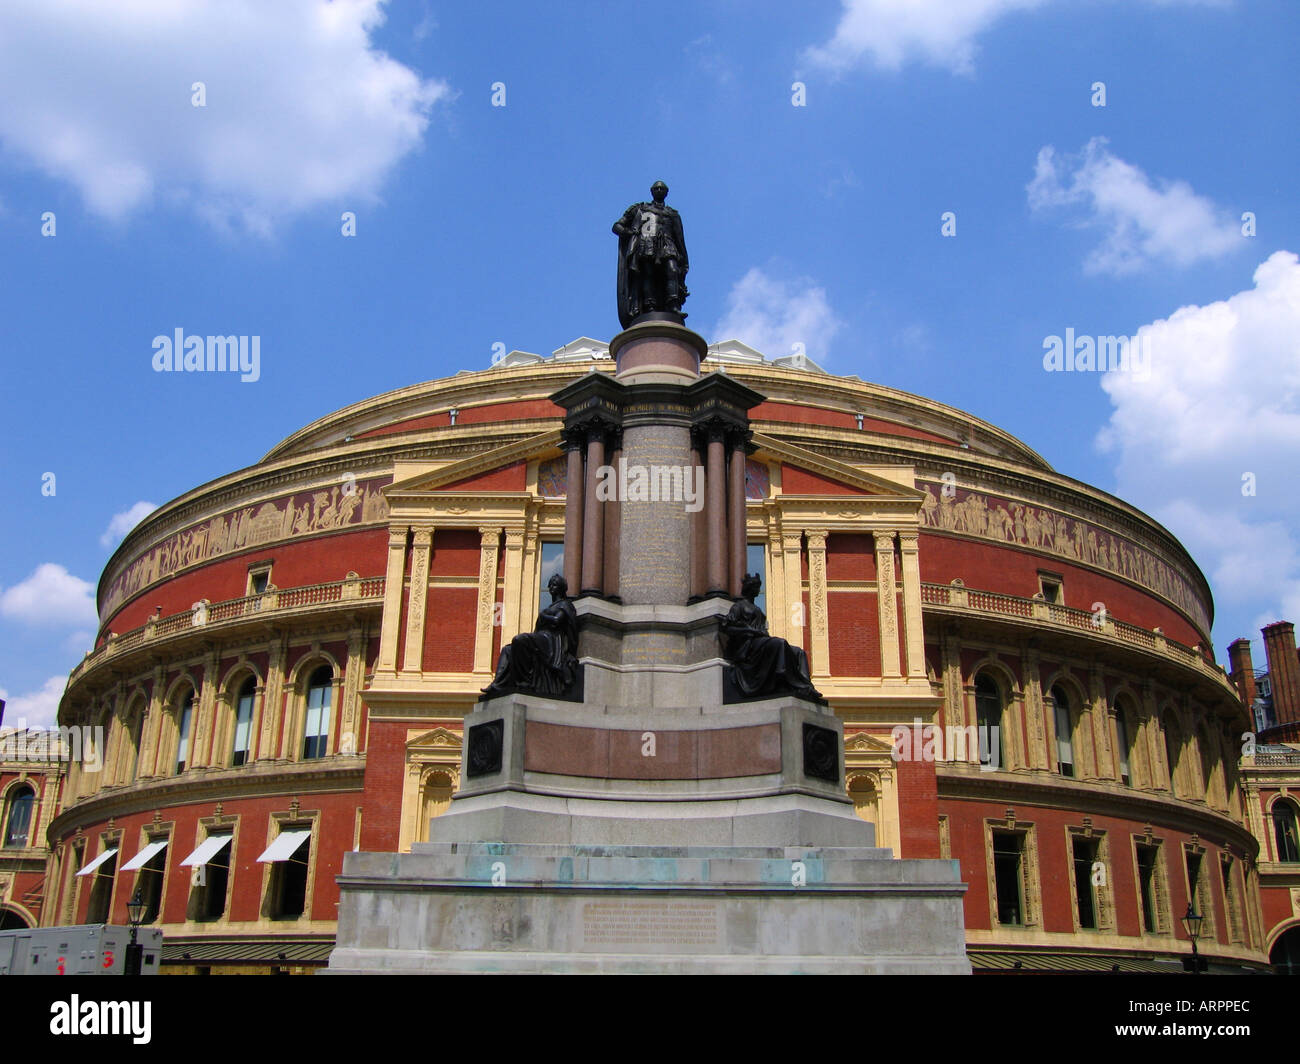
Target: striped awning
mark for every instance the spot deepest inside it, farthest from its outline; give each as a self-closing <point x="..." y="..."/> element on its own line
<point x="1072" y="962"/>
<point x="315" y="951"/>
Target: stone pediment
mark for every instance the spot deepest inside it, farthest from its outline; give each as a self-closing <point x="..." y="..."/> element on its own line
<point x="439" y="741"/>
<point x="462" y="473"/>
<point x="865" y="744"/>
<point x="874" y="484"/>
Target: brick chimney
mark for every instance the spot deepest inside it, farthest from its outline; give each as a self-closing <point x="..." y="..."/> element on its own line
<point x="1243" y="670"/>
<point x="1283" y="671"/>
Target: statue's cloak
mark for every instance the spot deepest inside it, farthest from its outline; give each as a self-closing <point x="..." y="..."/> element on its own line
<point x="629" y="299"/>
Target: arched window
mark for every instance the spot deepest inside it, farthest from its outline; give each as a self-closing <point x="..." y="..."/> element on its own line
<point x="988" y="720"/>
<point x="18" y="822"/>
<point x="435" y="798"/>
<point x="316" y="729"/>
<point x="1123" y="746"/>
<point x="1284" y="831"/>
<point x="184" y="721"/>
<point x="1173" y="749"/>
<point x="1285" y="954"/>
<point x="244" y="722"/>
<point x="1064" y="731"/>
<point x="1210" y="776"/>
<point x="129" y="764"/>
<point x="865" y="799"/>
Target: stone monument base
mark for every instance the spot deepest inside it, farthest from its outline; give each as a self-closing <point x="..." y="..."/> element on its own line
<point x="576" y="845"/>
<point x="543" y="909"/>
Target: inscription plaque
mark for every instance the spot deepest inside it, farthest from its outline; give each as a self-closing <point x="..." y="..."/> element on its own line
<point x="627" y="925"/>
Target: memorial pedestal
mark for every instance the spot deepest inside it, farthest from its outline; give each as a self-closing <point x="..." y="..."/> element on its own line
<point x="570" y="848"/>
<point x="519" y="908"/>
<point x="652" y="827"/>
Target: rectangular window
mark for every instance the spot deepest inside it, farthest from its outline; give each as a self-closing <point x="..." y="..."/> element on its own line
<point x="1050" y="585"/>
<point x="1230" y="900"/>
<point x="259" y="579"/>
<point x="1008" y="876"/>
<point x="1198" y="891"/>
<point x="149" y="881"/>
<point x="552" y="563"/>
<point x="317" y="731"/>
<point x="1121" y="743"/>
<point x="183" y="733"/>
<point x="243" y="727"/>
<point x="756" y="562"/>
<point x="1148" y="858"/>
<point x="288" y="889"/>
<point x="1085" y="856"/>
<point x="101" y="891"/>
<point x="216" y="882"/>
<point x="137" y="731"/>
<point x="1064" y="739"/>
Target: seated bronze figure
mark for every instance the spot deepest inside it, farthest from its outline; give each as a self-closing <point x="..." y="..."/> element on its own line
<point x="545" y="660"/>
<point x="762" y="664"/>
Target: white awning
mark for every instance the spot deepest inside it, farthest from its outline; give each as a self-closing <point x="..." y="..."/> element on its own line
<point x="97" y="861"/>
<point x="285" y="845"/>
<point x="143" y="857"/>
<point x="207" y="849"/>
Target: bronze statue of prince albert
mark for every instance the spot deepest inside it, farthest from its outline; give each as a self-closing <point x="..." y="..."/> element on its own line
<point x="652" y="260"/>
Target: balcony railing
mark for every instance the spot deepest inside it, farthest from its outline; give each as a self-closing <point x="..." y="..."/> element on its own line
<point x="956" y="596"/>
<point x="1276" y="759"/>
<point x="205" y="614"/>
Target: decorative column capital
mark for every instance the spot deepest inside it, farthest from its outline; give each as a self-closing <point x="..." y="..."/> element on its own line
<point x="397" y="536"/>
<point x="739" y="437"/>
<point x="488" y="536"/>
<point x="514" y="538"/>
<point x="817" y="540"/>
<point x="791" y="541"/>
<point x="423" y="534"/>
<point x="884" y="540"/>
<point x="356" y="640"/>
<point x="908" y="542"/>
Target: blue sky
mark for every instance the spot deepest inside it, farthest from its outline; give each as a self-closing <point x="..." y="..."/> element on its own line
<point x="477" y="224"/>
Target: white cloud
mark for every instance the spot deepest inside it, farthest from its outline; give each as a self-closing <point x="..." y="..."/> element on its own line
<point x="122" y="523"/>
<point x="942" y="33"/>
<point x="301" y="109"/>
<point x="1146" y="221"/>
<point x="772" y="316"/>
<point x="1222" y="401"/>
<point x="50" y="595"/>
<point x="891" y="32"/>
<point x="36" y="709"/>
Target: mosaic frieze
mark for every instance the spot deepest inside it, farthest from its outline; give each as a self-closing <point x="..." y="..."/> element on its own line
<point x="1041" y="529"/>
<point x="306" y="513"/>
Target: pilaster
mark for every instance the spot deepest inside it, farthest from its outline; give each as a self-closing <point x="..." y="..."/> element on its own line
<point x="887" y="600"/>
<point x="417" y="602"/>
<point x="394" y="580"/>
<point x="513" y="620"/>
<point x="821" y="645"/>
<point x="487" y="593"/>
<point x="914" y="630"/>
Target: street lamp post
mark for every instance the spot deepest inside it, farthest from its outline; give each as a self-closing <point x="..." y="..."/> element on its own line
<point x="134" y="952"/>
<point x="1192" y="921"/>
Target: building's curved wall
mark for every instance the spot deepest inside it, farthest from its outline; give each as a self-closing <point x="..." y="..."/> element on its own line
<point x="316" y="510"/>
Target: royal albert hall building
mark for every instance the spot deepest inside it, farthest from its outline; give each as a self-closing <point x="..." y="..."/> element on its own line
<point x="286" y="655"/>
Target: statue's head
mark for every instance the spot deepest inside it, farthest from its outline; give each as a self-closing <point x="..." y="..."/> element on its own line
<point x="659" y="191"/>
<point x="750" y="586"/>
<point x="557" y="586"/>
